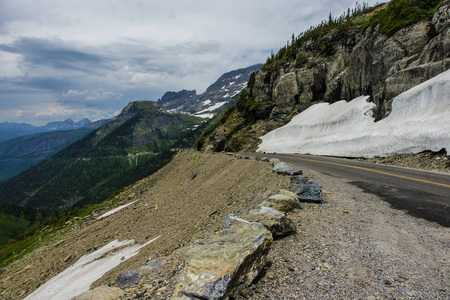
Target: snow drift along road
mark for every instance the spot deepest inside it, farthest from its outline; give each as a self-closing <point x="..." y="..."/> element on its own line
<point x="420" y="120"/>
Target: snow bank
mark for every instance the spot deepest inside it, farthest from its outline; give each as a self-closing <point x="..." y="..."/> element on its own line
<point x="420" y="120"/>
<point x="112" y="211"/>
<point x="78" y="278"/>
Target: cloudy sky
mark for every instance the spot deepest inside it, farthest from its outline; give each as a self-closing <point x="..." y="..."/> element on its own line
<point x="78" y="59"/>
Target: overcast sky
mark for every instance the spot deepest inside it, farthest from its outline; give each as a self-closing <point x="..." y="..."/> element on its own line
<point x="88" y="59"/>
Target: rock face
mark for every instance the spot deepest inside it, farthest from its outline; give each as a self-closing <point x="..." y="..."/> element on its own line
<point x="222" y="91"/>
<point x="335" y="66"/>
<point x="217" y="268"/>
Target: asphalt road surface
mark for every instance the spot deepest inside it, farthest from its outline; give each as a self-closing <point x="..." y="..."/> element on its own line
<point x="422" y="194"/>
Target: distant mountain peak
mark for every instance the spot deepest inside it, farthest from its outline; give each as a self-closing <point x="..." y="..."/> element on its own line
<point x="214" y="99"/>
<point x="133" y="108"/>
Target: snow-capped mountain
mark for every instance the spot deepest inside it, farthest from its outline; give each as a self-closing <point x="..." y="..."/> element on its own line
<point x="420" y="120"/>
<point x="214" y="99"/>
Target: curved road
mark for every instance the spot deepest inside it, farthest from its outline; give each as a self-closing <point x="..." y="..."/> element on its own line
<point x="422" y="194"/>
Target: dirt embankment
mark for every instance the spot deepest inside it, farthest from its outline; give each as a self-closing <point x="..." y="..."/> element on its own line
<point x="354" y="246"/>
<point x="184" y="201"/>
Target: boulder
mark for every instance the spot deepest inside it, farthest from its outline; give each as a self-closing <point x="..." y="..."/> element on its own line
<point x="310" y="192"/>
<point x="279" y="202"/>
<point x="220" y="267"/>
<point x="274" y="220"/>
<point x="297" y="182"/>
<point x="274" y="161"/>
<point x="281" y="166"/>
<point x="290" y="172"/>
<point x="101" y="293"/>
<point x="290" y="194"/>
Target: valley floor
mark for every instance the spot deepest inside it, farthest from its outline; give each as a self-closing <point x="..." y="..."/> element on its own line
<point x="370" y="252"/>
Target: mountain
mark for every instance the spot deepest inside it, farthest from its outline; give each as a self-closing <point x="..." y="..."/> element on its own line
<point x="12" y="130"/>
<point x="17" y="155"/>
<point x="378" y="51"/>
<point x="133" y="145"/>
<point x="214" y="99"/>
<point x="65" y="125"/>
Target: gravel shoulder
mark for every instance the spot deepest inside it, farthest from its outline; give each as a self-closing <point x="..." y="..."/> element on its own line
<point x="430" y="161"/>
<point x="370" y="252"/>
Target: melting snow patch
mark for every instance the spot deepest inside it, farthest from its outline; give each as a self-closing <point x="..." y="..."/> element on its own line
<point x="115" y="210"/>
<point x="206" y="102"/>
<point x="211" y="108"/>
<point x="205" y="116"/>
<point x="78" y="278"/>
<point x="420" y="120"/>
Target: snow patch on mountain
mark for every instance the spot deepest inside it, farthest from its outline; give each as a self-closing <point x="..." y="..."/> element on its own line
<point x="78" y="278"/>
<point x="211" y="108"/>
<point x="420" y="120"/>
<point x="206" y="102"/>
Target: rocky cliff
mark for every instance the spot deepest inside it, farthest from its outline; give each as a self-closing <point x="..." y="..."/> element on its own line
<point x="361" y="54"/>
<point x="214" y="99"/>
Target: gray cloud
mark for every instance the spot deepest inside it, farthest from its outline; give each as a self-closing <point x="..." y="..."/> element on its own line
<point x="53" y="53"/>
<point x="90" y="58"/>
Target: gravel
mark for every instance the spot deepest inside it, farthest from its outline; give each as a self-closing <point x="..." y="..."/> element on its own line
<point x="430" y="161"/>
<point x="355" y="246"/>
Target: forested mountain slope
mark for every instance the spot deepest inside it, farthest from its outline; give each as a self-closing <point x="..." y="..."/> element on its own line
<point x="134" y="145"/>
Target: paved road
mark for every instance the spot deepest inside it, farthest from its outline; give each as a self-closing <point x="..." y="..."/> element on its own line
<point x="422" y="194"/>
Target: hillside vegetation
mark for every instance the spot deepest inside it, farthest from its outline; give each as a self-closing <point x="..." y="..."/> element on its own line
<point x="117" y="154"/>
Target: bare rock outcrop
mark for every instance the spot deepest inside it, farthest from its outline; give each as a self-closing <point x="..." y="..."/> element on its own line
<point x="219" y="267"/>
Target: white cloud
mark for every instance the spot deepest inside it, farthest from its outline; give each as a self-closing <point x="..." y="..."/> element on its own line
<point x="137" y="49"/>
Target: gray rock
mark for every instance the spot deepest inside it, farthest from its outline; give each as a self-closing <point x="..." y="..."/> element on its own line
<point x="233" y="224"/>
<point x="274" y="220"/>
<point x="266" y="194"/>
<point x="192" y="176"/>
<point x="279" y="202"/>
<point x="133" y="276"/>
<point x="310" y="192"/>
<point x="289" y="172"/>
<point x="101" y="293"/>
<point x="281" y="166"/>
<point x="274" y="161"/>
<point x="297" y="182"/>
<point x="218" y="268"/>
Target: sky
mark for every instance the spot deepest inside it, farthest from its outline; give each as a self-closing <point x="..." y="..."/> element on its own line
<point x="89" y="59"/>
